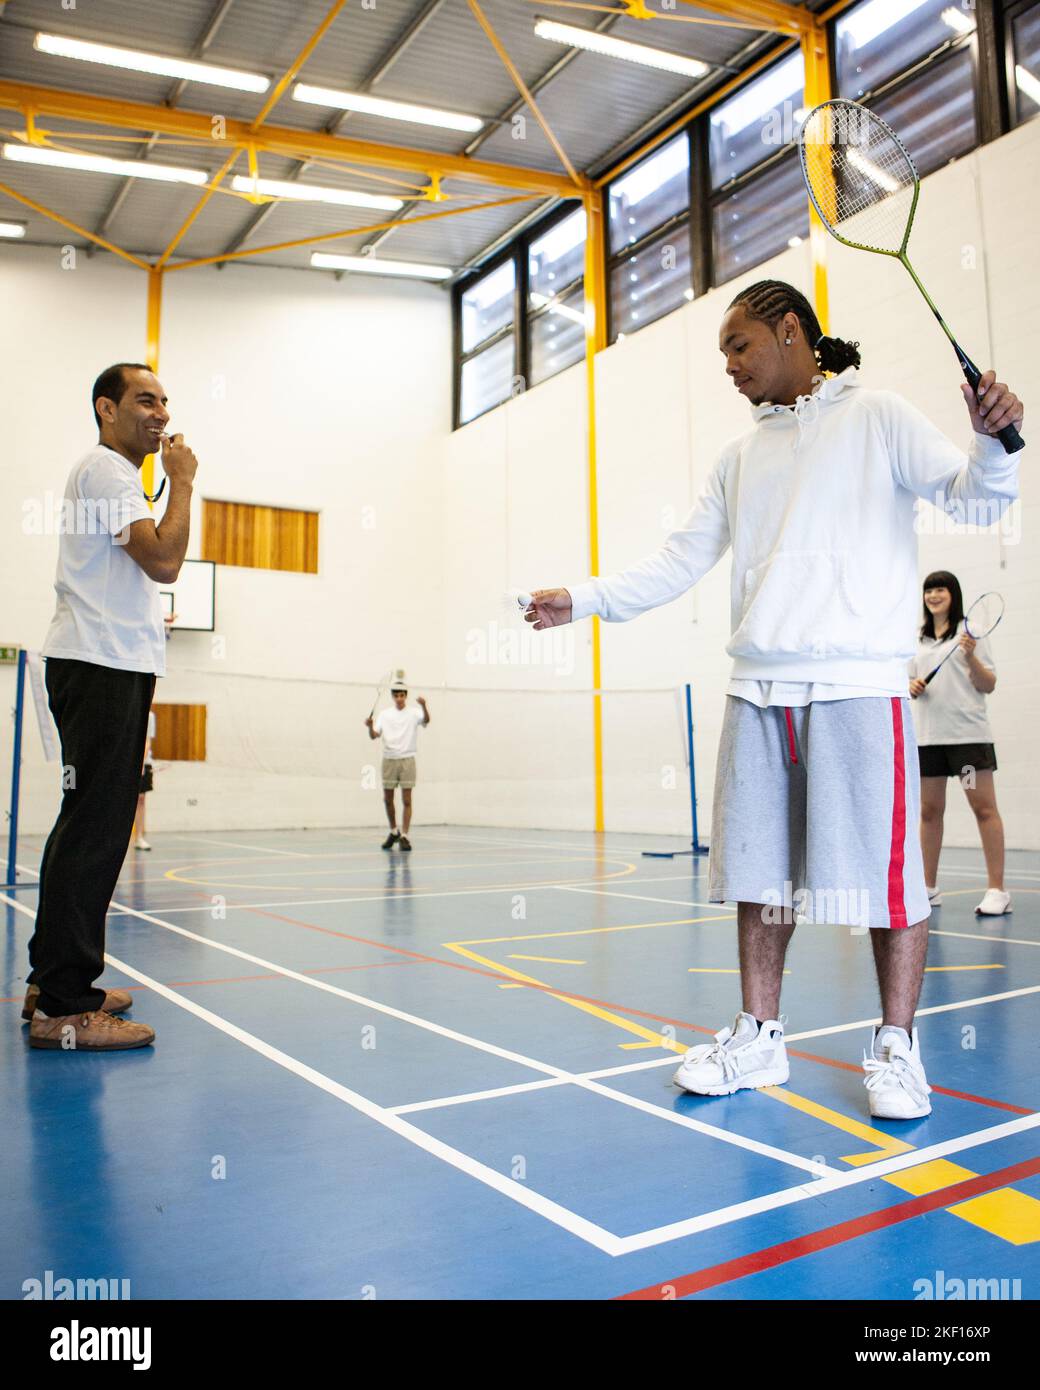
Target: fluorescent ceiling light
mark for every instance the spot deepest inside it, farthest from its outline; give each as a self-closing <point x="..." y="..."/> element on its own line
<point x="157" y="63"/>
<point x="866" y="22"/>
<point x="314" y="193"/>
<point x="380" y="106"/>
<point x="610" y="47"/>
<point x="100" y="164"/>
<point x="958" y="20"/>
<point x="873" y="172"/>
<point x="373" y="266"/>
<point x="1027" y="83"/>
<point x="12" y="229"/>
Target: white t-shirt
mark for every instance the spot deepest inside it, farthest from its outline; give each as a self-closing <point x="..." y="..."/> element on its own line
<point x="400" y="730"/>
<point x="795" y="694"/>
<point x="951" y="710"/>
<point x="108" y="611"/>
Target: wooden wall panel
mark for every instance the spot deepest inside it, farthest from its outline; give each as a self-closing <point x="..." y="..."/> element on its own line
<point x="266" y="538"/>
<point x="180" y="733"/>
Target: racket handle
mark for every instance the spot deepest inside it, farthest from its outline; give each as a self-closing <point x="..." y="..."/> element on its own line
<point x="1008" y="436"/>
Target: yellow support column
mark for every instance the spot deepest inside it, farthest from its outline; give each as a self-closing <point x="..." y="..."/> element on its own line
<point x="816" y="53"/>
<point x="595" y="341"/>
<point x="151" y="356"/>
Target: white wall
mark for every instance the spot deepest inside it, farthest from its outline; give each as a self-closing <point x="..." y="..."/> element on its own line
<point x="663" y="412"/>
<point x="294" y="391"/>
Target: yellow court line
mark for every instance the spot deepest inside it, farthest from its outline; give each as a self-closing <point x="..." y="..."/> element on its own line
<point x="584" y="931"/>
<point x="1009" y="1213"/>
<point x="379" y="869"/>
<point x="963" y="967"/>
<point x="550" y="960"/>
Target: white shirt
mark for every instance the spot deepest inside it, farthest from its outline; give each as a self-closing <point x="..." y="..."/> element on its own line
<point x="817" y="502"/>
<point x="951" y="710"/>
<point x="795" y="694"/>
<point x="400" y="730"/>
<point x="108" y="610"/>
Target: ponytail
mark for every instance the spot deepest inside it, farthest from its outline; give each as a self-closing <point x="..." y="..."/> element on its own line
<point x="835" y="354"/>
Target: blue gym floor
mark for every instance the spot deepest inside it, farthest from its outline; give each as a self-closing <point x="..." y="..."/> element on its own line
<point x="447" y="1075"/>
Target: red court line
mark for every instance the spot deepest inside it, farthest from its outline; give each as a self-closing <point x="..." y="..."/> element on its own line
<point x="603" y="1003"/>
<point x="788" y="1250"/>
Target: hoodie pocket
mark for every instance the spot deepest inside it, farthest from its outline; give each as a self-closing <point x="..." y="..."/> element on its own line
<point x="798" y="604"/>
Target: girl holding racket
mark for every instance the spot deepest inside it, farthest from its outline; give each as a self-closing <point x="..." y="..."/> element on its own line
<point x="951" y="676"/>
<point x="817" y="787"/>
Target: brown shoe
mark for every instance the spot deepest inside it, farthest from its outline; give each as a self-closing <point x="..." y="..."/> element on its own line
<point x="117" y="1001"/>
<point x="92" y="1032"/>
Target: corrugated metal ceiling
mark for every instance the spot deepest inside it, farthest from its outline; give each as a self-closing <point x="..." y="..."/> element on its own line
<point x="593" y="105"/>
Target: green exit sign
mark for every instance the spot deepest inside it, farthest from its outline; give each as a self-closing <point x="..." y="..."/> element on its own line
<point x="8" y="656"/>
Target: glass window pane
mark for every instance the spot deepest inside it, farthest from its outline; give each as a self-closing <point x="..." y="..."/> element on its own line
<point x="651" y="282"/>
<point x="487" y="379"/>
<point x="1027" y="63"/>
<point x="488" y="305"/>
<point x="760" y="220"/>
<point x="934" y="114"/>
<point x="558" y="336"/>
<point x="557" y="259"/>
<point x="650" y="194"/>
<point x="878" y="39"/>
<point x="753" y="124"/>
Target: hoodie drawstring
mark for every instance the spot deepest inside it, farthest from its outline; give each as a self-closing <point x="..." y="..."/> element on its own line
<point x="792" y="747"/>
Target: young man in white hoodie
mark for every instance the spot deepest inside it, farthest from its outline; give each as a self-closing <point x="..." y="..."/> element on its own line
<point x="817" y="792"/>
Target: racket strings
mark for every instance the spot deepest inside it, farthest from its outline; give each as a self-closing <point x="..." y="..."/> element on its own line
<point x="983" y="615"/>
<point x="861" y="178"/>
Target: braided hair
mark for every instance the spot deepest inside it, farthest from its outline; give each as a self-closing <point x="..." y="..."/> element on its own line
<point x="769" y="300"/>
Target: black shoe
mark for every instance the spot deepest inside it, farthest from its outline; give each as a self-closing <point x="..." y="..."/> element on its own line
<point x="405" y="843"/>
<point x="391" y="840"/>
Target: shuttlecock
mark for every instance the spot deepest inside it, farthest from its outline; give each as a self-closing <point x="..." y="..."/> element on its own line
<point x="516" y="602"/>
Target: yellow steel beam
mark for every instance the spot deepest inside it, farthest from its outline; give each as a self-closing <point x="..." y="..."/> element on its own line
<point x="816" y="53"/>
<point x="282" y="140"/>
<point x="72" y="226"/>
<point x="684" y="120"/>
<point x="637" y="9"/>
<point x="211" y="188"/>
<point x="151" y="356"/>
<point x="765" y="14"/>
<point x="305" y="52"/>
<point x="523" y="89"/>
<point x="595" y="341"/>
<point x="350" y="231"/>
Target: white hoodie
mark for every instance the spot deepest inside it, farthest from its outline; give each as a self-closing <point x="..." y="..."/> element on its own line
<point x="817" y="501"/>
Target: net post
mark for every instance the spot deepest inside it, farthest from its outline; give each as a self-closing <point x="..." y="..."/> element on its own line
<point x="695" y="845"/>
<point x="16" y="774"/>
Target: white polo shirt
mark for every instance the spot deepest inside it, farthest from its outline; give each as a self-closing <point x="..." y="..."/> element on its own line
<point x="400" y="730"/>
<point x="951" y="710"/>
<point x="108" y="610"/>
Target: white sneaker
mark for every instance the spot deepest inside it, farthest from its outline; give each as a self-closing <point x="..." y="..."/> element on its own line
<point x="740" y="1057"/>
<point x="995" y="903"/>
<point x="142" y="844"/>
<point x="895" y="1080"/>
<point x="934" y="896"/>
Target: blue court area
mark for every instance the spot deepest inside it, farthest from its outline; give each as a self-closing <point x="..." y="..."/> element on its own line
<point x="446" y="1075"/>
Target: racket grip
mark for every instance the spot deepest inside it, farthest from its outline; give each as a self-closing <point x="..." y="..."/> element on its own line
<point x="1008" y="436"/>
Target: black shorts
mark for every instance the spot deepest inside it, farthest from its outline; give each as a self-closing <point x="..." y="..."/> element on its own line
<point x="954" y="759"/>
<point x="146" y="780"/>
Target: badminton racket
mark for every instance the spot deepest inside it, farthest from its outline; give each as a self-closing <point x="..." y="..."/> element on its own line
<point x="979" y="621"/>
<point x="865" y="187"/>
<point x="381" y="688"/>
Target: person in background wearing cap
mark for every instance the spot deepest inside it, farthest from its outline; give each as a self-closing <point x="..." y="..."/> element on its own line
<point x="399" y="729"/>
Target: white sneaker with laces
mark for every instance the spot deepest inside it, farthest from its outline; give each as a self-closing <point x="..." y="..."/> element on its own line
<point x="142" y="844"/>
<point x="741" y="1057"/>
<point x="934" y="896"/>
<point x="995" y="903"/>
<point x="896" y="1084"/>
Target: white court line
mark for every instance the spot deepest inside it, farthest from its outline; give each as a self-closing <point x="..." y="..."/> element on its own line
<point x="640" y="897"/>
<point x="986" y="936"/>
<point x="934" y="1009"/>
<point x="442" y="1101"/>
<point x="235" y="844"/>
<point x="740" y="1211"/>
<point x="547" y="1069"/>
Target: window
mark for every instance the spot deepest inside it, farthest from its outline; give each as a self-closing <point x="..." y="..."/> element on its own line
<point x="935" y="115"/>
<point x="759" y="205"/>
<point x="649" y="266"/>
<point x="1025" y="44"/>
<point x="487" y="334"/>
<point x="759" y="120"/>
<point x="878" y="39"/>
<point x="760" y="219"/>
<point x="556" y="298"/>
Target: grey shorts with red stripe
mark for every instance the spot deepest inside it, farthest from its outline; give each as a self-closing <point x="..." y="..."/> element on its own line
<point x="816" y="812"/>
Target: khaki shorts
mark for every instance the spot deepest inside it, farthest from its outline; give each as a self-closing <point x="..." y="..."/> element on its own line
<point x="398" y="772"/>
